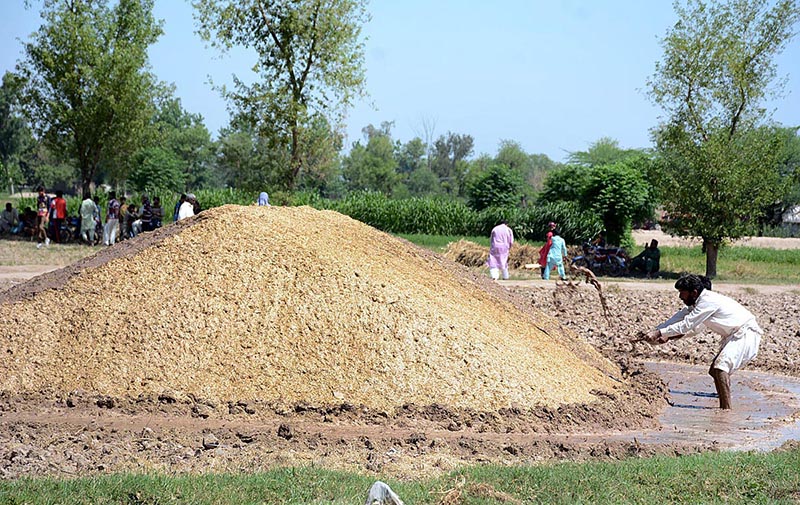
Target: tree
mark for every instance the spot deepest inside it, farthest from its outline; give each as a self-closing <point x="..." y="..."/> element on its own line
<point x="719" y="167"/>
<point x="422" y="182"/>
<point x="540" y="166"/>
<point x="15" y="137"/>
<point x="186" y="138"/>
<point x="497" y="186"/>
<point x="157" y="168"/>
<point x="310" y="61"/>
<point x="372" y="166"/>
<point x="411" y="156"/>
<point x="565" y="184"/>
<point x="449" y="164"/>
<point x="618" y="193"/>
<point x="249" y="161"/>
<point x="789" y="169"/>
<point x="87" y="89"/>
<point x="512" y="155"/>
<point x="603" y="151"/>
<point x="321" y="169"/>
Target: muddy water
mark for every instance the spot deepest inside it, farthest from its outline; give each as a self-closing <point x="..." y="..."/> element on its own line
<point x="766" y="409"/>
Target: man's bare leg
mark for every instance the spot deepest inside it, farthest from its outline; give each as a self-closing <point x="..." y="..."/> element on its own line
<point x="722" y="381"/>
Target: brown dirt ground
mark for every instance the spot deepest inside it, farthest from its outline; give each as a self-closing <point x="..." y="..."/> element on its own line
<point x="81" y="432"/>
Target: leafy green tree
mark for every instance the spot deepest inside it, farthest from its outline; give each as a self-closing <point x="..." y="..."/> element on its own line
<point x="15" y="136"/>
<point x="540" y="166"/>
<point x="249" y="161"/>
<point x="619" y="194"/>
<point x="372" y="166"/>
<point x="719" y="167"/>
<point x="512" y="155"/>
<point x="566" y="184"/>
<point x="52" y="171"/>
<point x="603" y="151"/>
<point x="186" y="137"/>
<point x="321" y="167"/>
<point x="157" y="168"/>
<point x="789" y="170"/>
<point x="423" y="182"/>
<point x="87" y="89"/>
<point x="411" y="156"/>
<point x="310" y="61"/>
<point x="497" y="186"/>
<point x="450" y="160"/>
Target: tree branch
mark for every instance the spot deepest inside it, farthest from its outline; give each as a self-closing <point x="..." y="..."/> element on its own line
<point x="285" y="54"/>
<point x="311" y="50"/>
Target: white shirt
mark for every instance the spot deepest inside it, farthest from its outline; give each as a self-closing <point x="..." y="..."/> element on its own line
<point x="678" y="316"/>
<point x="716" y="312"/>
<point x="186" y="210"/>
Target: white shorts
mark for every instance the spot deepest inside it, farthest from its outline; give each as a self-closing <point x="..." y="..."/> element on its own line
<point x="737" y="350"/>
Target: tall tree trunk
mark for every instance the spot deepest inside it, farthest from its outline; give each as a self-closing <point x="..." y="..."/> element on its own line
<point x="295" y="161"/>
<point x="712" y="249"/>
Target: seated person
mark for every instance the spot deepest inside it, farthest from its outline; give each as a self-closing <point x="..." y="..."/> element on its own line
<point x="9" y="220"/>
<point x="648" y="260"/>
<point x="134" y="224"/>
<point x="28" y="222"/>
<point x="600" y="240"/>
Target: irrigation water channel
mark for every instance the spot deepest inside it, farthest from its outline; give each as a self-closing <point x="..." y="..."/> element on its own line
<point x="766" y="410"/>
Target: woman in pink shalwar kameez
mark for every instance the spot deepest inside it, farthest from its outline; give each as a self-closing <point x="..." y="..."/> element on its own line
<point x="501" y="239"/>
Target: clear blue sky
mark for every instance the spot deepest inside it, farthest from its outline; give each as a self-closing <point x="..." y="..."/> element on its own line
<point x="552" y="75"/>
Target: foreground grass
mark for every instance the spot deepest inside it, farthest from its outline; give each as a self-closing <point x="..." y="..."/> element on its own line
<point x="706" y="478"/>
<point x="739" y="264"/>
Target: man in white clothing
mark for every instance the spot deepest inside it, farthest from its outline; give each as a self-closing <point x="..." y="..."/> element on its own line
<point x="740" y="332"/>
<point x="187" y="208"/>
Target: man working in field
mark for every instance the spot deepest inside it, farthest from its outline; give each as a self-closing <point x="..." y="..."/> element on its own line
<point x="725" y="316"/>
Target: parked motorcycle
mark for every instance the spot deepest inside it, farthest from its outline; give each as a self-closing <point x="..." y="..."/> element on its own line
<point x="606" y="261"/>
<point x="68" y="230"/>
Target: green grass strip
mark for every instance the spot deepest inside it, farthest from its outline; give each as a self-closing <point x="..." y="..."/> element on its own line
<point x="707" y="478"/>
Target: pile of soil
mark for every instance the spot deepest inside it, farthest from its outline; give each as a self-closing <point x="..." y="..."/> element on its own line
<point x="289" y="306"/>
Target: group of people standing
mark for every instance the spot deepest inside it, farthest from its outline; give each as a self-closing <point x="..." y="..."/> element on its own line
<point x="122" y="220"/>
<point x="551" y="255"/>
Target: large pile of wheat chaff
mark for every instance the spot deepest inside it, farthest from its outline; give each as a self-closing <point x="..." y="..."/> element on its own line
<point x="471" y="254"/>
<point x="289" y="305"/>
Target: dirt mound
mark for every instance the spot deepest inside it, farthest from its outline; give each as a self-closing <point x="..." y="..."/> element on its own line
<point x="471" y="254"/>
<point x="292" y="306"/>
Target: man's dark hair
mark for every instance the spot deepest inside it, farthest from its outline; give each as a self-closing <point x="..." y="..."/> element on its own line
<point x="706" y="282"/>
<point x="59" y="193"/>
<point x="39" y="188"/>
<point x="691" y="282"/>
<point x="112" y="195"/>
<point x="556" y="232"/>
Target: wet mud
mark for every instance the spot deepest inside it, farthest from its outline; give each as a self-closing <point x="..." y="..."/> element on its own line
<point x="765" y="414"/>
